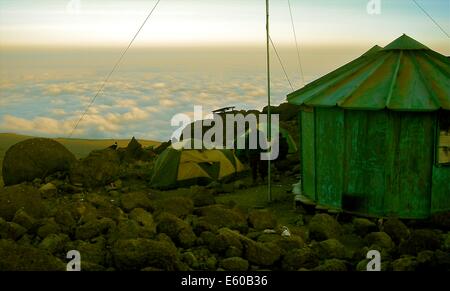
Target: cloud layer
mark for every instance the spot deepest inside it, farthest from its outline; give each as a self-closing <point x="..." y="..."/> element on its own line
<point x="136" y="104"/>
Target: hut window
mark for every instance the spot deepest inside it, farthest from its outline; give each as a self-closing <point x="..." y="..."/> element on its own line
<point x="443" y="150"/>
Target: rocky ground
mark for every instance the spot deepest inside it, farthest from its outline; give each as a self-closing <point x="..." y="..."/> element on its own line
<point x="119" y="227"/>
<point x="102" y="207"/>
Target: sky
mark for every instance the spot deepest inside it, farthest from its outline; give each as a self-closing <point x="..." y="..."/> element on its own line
<point x="54" y="55"/>
<point x="200" y="22"/>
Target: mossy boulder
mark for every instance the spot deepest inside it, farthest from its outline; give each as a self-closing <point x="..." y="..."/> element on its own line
<point x="23" y="197"/>
<point x="25" y="220"/>
<point x="48" y="227"/>
<point x="396" y="229"/>
<point x="132" y="200"/>
<point x="364" y="226"/>
<point x="65" y="219"/>
<point x="332" y="265"/>
<point x="203" y="198"/>
<point x="136" y="254"/>
<point x="94" y="228"/>
<point x="408" y="264"/>
<point x="35" y="158"/>
<point x="206" y="261"/>
<point x="54" y="243"/>
<point x="262" y="219"/>
<point x="15" y="257"/>
<point x="11" y="230"/>
<point x="145" y="219"/>
<point x="178" y="206"/>
<point x="261" y="254"/>
<point x="380" y="239"/>
<point x="178" y="230"/>
<point x="100" y="168"/>
<point x="94" y="252"/>
<point x="225" y="239"/>
<point x="215" y="217"/>
<point x="287" y="244"/>
<point x="300" y="258"/>
<point x="330" y="249"/>
<point x="190" y="259"/>
<point x="126" y="229"/>
<point x="323" y="227"/>
<point x="234" y="264"/>
<point x="420" y="240"/>
<point x="133" y="151"/>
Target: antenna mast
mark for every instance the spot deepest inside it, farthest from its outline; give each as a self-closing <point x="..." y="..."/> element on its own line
<point x="269" y="121"/>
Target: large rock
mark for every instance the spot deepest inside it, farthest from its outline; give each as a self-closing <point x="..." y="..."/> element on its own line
<point x="323" y="227"/>
<point x="405" y="264"/>
<point x="22" y="197"/>
<point x="178" y="230"/>
<point x="178" y="206"/>
<point x="261" y="254"/>
<point x="11" y="230"/>
<point x="35" y="158"/>
<point x="93" y="253"/>
<point x="262" y="219"/>
<point x="136" y="254"/>
<point x="215" y="217"/>
<point x="300" y="258"/>
<point x="330" y="249"/>
<point x="396" y="229"/>
<point x="226" y="239"/>
<point x="98" y="169"/>
<point x="420" y="240"/>
<point x="16" y="257"/>
<point x="380" y="239"/>
<point x="132" y="200"/>
<point x="234" y="264"/>
<point x="94" y="228"/>
<point x="333" y="265"/>
<point x="133" y="151"/>
<point x="144" y="219"/>
<point x="54" y="243"/>
<point x="364" y="226"/>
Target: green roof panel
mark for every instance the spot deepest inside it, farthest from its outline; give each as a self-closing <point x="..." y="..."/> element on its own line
<point x="404" y="76"/>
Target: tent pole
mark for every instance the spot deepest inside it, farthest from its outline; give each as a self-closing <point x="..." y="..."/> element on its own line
<point x="269" y="121"/>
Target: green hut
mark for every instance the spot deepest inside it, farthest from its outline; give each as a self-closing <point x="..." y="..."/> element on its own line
<point x="375" y="133"/>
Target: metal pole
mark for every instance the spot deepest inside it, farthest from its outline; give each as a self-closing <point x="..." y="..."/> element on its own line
<point x="269" y="121"/>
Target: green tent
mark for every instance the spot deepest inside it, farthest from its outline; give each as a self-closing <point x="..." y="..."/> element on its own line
<point x="375" y="134"/>
<point x="178" y="166"/>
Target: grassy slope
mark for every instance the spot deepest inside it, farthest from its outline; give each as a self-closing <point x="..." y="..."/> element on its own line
<point x="79" y="147"/>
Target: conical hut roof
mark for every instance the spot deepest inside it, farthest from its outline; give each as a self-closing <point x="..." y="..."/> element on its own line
<point x="404" y="76"/>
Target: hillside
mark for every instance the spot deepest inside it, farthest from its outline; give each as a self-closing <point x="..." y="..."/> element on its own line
<point x="79" y="147"/>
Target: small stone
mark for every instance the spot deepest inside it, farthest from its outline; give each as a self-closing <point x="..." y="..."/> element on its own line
<point x="324" y="226"/>
<point x="11" y="230"/>
<point x="49" y="190"/>
<point x="262" y="219"/>
<point x="396" y="229"/>
<point x="408" y="264"/>
<point x="380" y="239"/>
<point x="25" y="220"/>
<point x="300" y="258"/>
<point x="234" y="264"/>
<point x="364" y="226"/>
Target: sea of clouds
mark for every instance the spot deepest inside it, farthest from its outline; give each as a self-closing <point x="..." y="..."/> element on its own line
<point x="132" y="104"/>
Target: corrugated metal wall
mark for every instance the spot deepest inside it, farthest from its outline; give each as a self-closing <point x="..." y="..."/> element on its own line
<point x="373" y="162"/>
